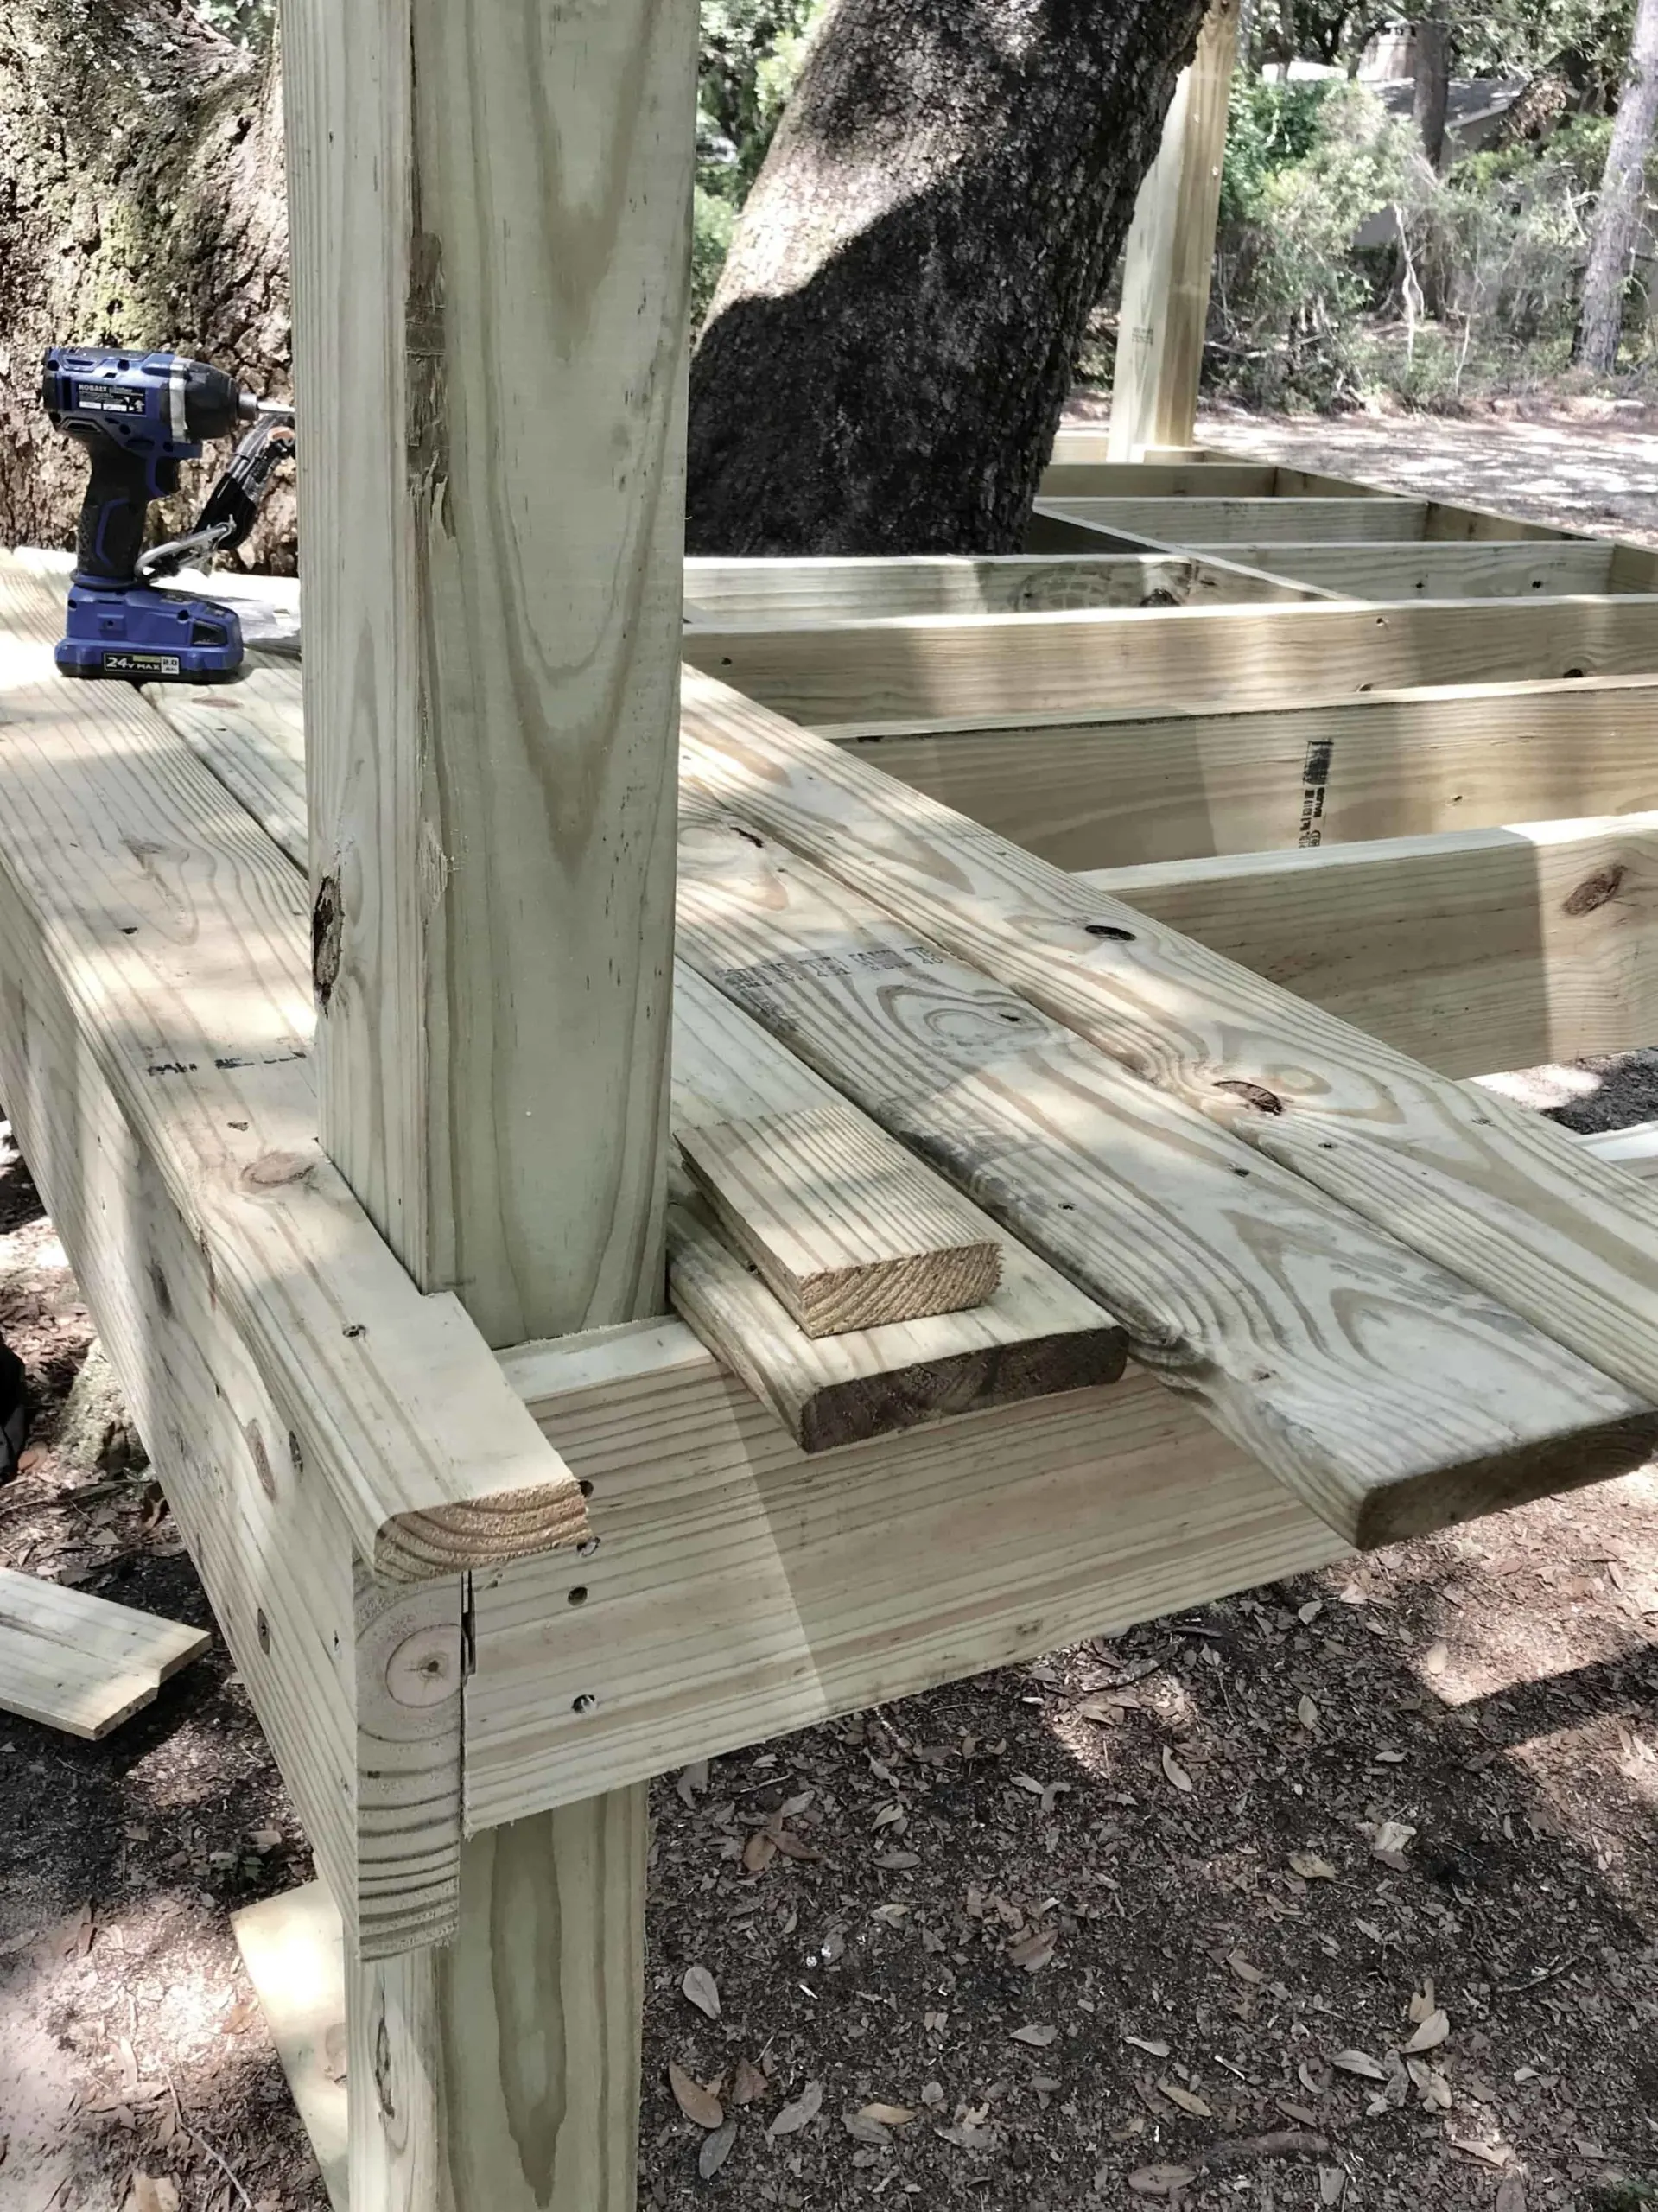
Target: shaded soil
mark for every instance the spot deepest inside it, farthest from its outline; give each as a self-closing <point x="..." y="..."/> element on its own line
<point x="1159" y="1914"/>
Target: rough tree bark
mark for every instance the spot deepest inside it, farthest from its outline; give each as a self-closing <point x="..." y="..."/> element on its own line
<point x="885" y="358"/>
<point x="1621" y="191"/>
<point x="1431" y="91"/>
<point x="140" y="204"/>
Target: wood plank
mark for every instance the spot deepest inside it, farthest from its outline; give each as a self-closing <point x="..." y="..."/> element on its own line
<point x="171" y="925"/>
<point x="1074" y="473"/>
<point x="1232" y="656"/>
<point x="1156" y="1211"/>
<point x="1464" y="1180"/>
<point x="1116" y="789"/>
<point x="1195" y="520"/>
<point x="833" y="587"/>
<point x="1471" y="951"/>
<point x="1035" y="1336"/>
<point x="843" y="1225"/>
<point x="119" y="1637"/>
<point x="1441" y="569"/>
<point x="489" y="223"/>
<point x="265" y="1533"/>
<point x="1170" y="254"/>
<point x="292" y="1949"/>
<point x="78" y="1693"/>
<point x="932" y="1556"/>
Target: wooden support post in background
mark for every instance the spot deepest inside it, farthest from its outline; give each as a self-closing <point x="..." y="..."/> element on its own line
<point x="1171" y="254"/>
<point x="491" y="207"/>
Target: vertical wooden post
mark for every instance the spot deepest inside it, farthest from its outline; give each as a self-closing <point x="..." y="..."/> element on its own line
<point x="490" y="209"/>
<point x="1170" y="255"/>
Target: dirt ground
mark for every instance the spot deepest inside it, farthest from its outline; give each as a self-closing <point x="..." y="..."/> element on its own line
<point x="1344" y="1893"/>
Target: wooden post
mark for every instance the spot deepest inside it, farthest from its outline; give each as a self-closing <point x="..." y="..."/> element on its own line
<point x="491" y="244"/>
<point x="1170" y="255"/>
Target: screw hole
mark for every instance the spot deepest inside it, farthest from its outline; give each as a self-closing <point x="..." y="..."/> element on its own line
<point x="585" y="1487"/>
<point x="1240" y="1170"/>
<point x="585" y="1703"/>
<point x="579" y="1595"/>
<point x="587" y="1549"/>
<point x="1109" y="930"/>
<point x="262" y="1628"/>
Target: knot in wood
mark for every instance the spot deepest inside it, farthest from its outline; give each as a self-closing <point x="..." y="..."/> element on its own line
<point x="425" y="1668"/>
<point x="273" y="1169"/>
<point x="1252" y="1094"/>
<point x="1595" y="890"/>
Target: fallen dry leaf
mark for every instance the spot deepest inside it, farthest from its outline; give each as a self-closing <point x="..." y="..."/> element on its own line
<point x="1310" y="1867"/>
<point x="1491" y="2154"/>
<point x="152" y="2193"/>
<point x="1431" y="2085"/>
<point x="1244" y="1970"/>
<point x="703" y="1991"/>
<point x="716" y="2149"/>
<point x="1040" y="2035"/>
<point x="793" y="2117"/>
<point x="1307" y="1713"/>
<point x="696" y="2102"/>
<point x="1436" y="1659"/>
<point x="1106" y="1706"/>
<point x="759" y="1852"/>
<point x="1188" y="2099"/>
<point x="1153" y="2045"/>
<point x="1511" y="2197"/>
<point x="1161" y="2181"/>
<point x="1431" y="2034"/>
<point x="862" y="2129"/>
<point x="1332" y="2184"/>
<point x="1359" y="2062"/>
<point x="747" y="2082"/>
<point x="1035" y="1949"/>
<point x="1176" y="1773"/>
<point x="888" y="2115"/>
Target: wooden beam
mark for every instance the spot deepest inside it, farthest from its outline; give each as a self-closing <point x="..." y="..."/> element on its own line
<point x="492" y="624"/>
<point x="1441" y="569"/>
<point x="1497" y="1195"/>
<point x="79" y="1663"/>
<point x="827" y="673"/>
<point x="834" y="589"/>
<point x="1171" y="253"/>
<point x="1072" y="475"/>
<point x="1197" y="519"/>
<point x="1471" y="951"/>
<point x="1119" y="788"/>
<point x="492" y="212"/>
<point x="1142" y="1201"/>
<point x="848" y="1232"/>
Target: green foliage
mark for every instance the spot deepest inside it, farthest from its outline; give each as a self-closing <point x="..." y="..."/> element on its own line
<point x="1269" y="127"/>
<point x="250" y="22"/>
<point x="752" y="52"/>
<point x="714" y="218"/>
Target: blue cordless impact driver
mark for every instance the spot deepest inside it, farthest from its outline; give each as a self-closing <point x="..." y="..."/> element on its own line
<point x="138" y="415"/>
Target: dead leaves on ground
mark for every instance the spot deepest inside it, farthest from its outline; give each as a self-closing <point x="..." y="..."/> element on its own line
<point x="702" y="1990"/>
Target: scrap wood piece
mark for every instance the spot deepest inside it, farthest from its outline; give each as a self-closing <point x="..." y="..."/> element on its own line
<point x="1496" y="1196"/>
<point x="1381" y="1388"/>
<point x="81" y="1663"/>
<point x="1035" y="1335"/>
<point x="294" y="1951"/>
<point x="847" y="1229"/>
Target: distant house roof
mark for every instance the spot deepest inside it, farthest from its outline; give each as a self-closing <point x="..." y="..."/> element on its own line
<point x="1474" y="106"/>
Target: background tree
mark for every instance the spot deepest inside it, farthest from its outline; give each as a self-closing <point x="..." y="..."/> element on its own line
<point x="141" y="204"/>
<point x="1431" y="91"/>
<point x="1623" y="192"/>
<point x="893" y="336"/>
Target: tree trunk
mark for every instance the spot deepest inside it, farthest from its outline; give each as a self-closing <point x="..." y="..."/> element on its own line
<point x="885" y="358"/>
<point x="1622" y="188"/>
<point x="1431" y="91"/>
<point x="141" y="204"/>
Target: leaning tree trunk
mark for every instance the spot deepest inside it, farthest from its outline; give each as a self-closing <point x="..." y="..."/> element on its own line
<point x="885" y="358"/>
<point x="1623" y="189"/>
<point x="140" y="204"/>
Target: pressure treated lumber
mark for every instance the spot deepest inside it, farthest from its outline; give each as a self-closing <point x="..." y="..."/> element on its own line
<point x="170" y="925"/>
<point x="1171" y="253"/>
<point x="266" y="1534"/>
<point x="79" y="1663"/>
<point x="1440" y="1394"/>
<point x="1490" y="569"/>
<point x="490" y="211"/>
<point x="834" y="588"/>
<point x="1120" y="787"/>
<point x="1183" y="658"/>
<point x="1199" y="520"/>
<point x="847" y="1229"/>
<point x="1497" y="1195"/>
<point x="1471" y="951"/>
<point x="1072" y="475"/>
<point x="292" y="1950"/>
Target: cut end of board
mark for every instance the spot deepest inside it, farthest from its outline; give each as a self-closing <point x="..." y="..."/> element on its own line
<point x="847" y="1229"/>
<point x="482" y="1532"/>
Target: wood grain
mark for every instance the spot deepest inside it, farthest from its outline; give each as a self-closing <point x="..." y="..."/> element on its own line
<point x="1475" y="569"/>
<point x="834" y="589"/>
<point x="1170" y="254"/>
<point x="491" y="213"/>
<point x="848" y="1232"/>
<point x="1472" y="951"/>
<point x="1194" y="518"/>
<point x="1181" y="658"/>
<point x="292" y="1949"/>
<point x="174" y="930"/>
<point x="1119" y="788"/>
<point x="1375" y="1385"/>
<point x="1497" y="1195"/>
